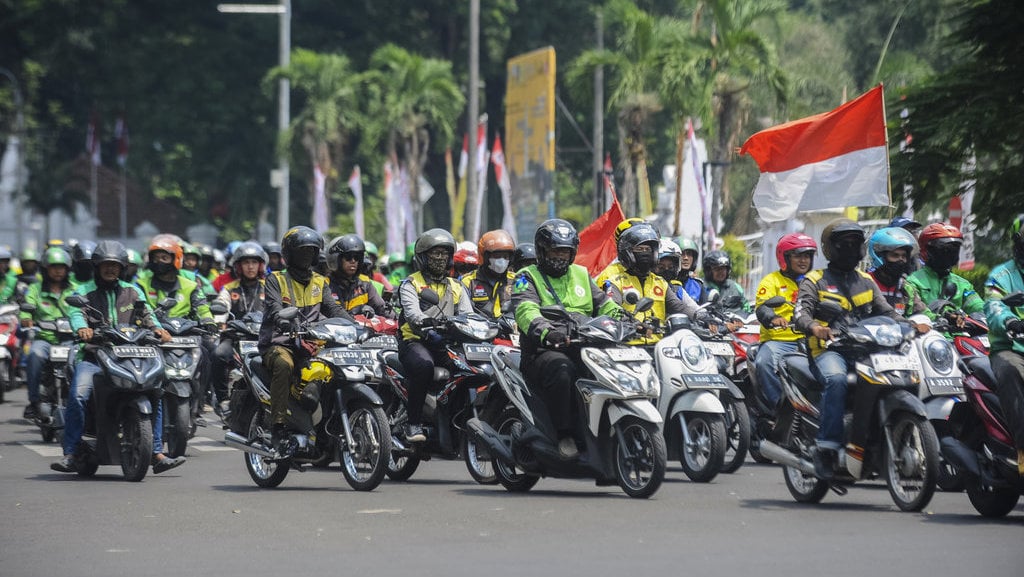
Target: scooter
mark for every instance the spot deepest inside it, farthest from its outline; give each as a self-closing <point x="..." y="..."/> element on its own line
<point x="10" y="348"/>
<point x="618" y="422"/>
<point x="53" y="384"/>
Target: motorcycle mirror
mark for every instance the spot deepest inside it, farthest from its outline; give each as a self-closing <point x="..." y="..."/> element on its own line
<point x="1014" y="299"/>
<point x="429" y="296"/>
<point x="77" y="301"/>
<point x="27" y="308"/>
<point x="644" y="305"/>
<point x="167" y="304"/>
<point x="828" y="311"/>
<point x="218" y="308"/>
<point x="632" y="298"/>
<point x="775" y="302"/>
<point x="288" y="313"/>
<point x="948" y="290"/>
<point x="714" y="296"/>
<point x="554" y="313"/>
<point x="732" y="302"/>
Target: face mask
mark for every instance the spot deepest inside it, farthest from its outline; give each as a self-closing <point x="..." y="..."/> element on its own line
<point x="303" y="258"/>
<point x="644" y="264"/>
<point x="498" y="265"/>
<point x="895" y="269"/>
<point x="943" y="260"/>
<point x="846" y="261"/>
<point x="160" y="268"/>
<point x="437" y="266"/>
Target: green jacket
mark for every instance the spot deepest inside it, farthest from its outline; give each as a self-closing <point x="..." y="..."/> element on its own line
<point x="925" y="284"/>
<point x="575" y="289"/>
<point x="7" y="285"/>
<point x="49" y="307"/>
<point x="205" y="286"/>
<point x="191" y="302"/>
<point x="1004" y="279"/>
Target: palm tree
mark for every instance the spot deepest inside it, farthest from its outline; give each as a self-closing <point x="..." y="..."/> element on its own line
<point x="409" y="98"/>
<point x="329" y="114"/>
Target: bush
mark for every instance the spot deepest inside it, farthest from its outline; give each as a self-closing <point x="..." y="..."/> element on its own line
<point x="977" y="276"/>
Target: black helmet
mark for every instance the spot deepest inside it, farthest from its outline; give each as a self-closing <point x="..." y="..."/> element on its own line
<point x="272" y="248"/>
<point x="524" y="255"/>
<point x="551" y="234"/>
<point x="344" y="244"/>
<point x="248" y="249"/>
<point x="632" y="237"/>
<point x="301" y="237"/>
<point x="842" y="243"/>
<point x="433" y="238"/>
<point x="715" y="258"/>
<point x="83" y="251"/>
<point x="110" y="251"/>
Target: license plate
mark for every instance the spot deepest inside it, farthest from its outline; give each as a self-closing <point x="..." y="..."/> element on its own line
<point x="887" y="362"/>
<point x="984" y="340"/>
<point x="475" y="352"/>
<point x="349" y="357"/>
<point x="248" y="347"/>
<point x="628" y="355"/>
<point x="59" y="353"/>
<point x="719" y="348"/>
<point x="131" y="352"/>
<point x="182" y="342"/>
<point x="381" y="342"/>
<point x="944" y="383"/>
<point x="714" y="381"/>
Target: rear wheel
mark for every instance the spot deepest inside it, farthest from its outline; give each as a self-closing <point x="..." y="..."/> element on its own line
<point x="177" y="414"/>
<point x="266" y="473"/>
<point x="702" y="457"/>
<point x="639" y="458"/>
<point x="737" y="433"/>
<point x="364" y="466"/>
<point x="993" y="503"/>
<point x="912" y="467"/>
<point x="5" y="378"/>
<point x="510" y="425"/>
<point x="136" y="434"/>
<point x="478" y="461"/>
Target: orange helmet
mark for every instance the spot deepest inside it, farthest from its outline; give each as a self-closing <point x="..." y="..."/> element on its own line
<point x="167" y="243"/>
<point x="936" y="236"/>
<point x="495" y="241"/>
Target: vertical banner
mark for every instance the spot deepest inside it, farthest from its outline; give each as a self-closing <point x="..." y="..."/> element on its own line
<point x="530" y="135"/>
<point x="698" y="173"/>
<point x="319" y="200"/>
<point x="508" y="223"/>
<point x="482" y="158"/>
<point x="355" y="184"/>
<point x="393" y="208"/>
<point x="967" y="218"/>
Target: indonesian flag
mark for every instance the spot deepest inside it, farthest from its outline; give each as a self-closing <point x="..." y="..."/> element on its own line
<point x="319" y="200"/>
<point x="831" y="160"/>
<point x="355" y="184"/>
<point x="505" y="185"/>
<point x="597" y="241"/>
<point x="482" y="158"/>
<point x="92" y="140"/>
<point x="121" y="135"/>
<point x="609" y="180"/>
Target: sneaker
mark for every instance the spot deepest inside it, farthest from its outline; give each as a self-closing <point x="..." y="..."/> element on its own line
<point x="65" y="465"/>
<point x="567" y="448"/>
<point x="31" y="411"/>
<point x="280" y="439"/>
<point x="414" y="433"/>
<point x="223" y="409"/>
<point x="166" y="464"/>
<point x="825" y="461"/>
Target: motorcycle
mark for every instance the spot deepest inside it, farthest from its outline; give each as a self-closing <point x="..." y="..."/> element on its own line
<point x="244" y="334"/>
<point x="10" y="348"/>
<point x="118" y="416"/>
<point x="761" y="412"/>
<point x="332" y="414"/>
<point x="618" y="421"/>
<point x="53" y="384"/>
<point x="980" y="443"/>
<point x="463" y="388"/>
<point x="901" y="444"/>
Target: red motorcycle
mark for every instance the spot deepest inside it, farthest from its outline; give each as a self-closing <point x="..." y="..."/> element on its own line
<point x="10" y="348"/>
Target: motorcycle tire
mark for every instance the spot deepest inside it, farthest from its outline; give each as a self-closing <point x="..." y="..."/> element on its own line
<point x="702" y="459"/>
<point x="509" y="423"/>
<point x="265" y="472"/>
<point x="478" y="461"/>
<point x="136" y="433"/>
<point x="177" y="414"/>
<point x="737" y="433"/>
<point x="640" y="462"/>
<point x="5" y="380"/>
<point x="402" y="467"/>
<point x="365" y="467"/>
<point x="992" y="503"/>
<point x="803" y="487"/>
<point x="911" y="473"/>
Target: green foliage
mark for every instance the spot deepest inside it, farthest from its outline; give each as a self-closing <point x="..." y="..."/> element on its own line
<point x="737" y="251"/>
<point x="977" y="276"/>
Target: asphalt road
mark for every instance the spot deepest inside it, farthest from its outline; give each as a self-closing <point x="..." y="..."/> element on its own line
<point x="207" y="518"/>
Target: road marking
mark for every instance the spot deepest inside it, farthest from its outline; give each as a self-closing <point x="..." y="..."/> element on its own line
<point x="51" y="450"/>
<point x="380" y="512"/>
<point x="207" y="445"/>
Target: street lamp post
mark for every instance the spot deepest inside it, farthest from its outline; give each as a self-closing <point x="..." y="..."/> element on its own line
<point x="280" y="177"/>
<point x="19" y="176"/>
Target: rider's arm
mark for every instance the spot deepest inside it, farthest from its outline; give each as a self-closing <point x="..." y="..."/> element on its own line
<point x="996" y="313"/>
<point x="603" y="304"/>
<point x="410" y="301"/>
<point x="674" y="304"/>
<point x="526" y="303"/>
<point x="200" y="306"/>
<point x="465" y="304"/>
<point x="330" y="307"/>
<point x="376" y="302"/>
<point x="806" y="301"/>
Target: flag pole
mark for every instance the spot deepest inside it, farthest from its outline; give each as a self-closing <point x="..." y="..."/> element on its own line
<point x="888" y="166"/>
<point x="124" y="205"/>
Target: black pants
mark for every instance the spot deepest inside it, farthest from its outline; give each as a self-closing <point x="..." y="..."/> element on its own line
<point x="220" y="360"/>
<point x="1009" y="369"/>
<point x="418" y="362"/>
<point x="551" y="375"/>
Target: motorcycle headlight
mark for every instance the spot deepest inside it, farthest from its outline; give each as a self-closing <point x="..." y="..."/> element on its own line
<point x="693" y="352"/>
<point x="940" y="355"/>
<point x="607" y="370"/>
<point x="888" y="335"/>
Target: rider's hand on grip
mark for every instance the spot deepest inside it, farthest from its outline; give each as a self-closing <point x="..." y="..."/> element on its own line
<point x="85" y="334"/>
<point x="1015" y="327"/>
<point x="822" y="332"/>
<point x="556" y="337"/>
<point x="309" y="347"/>
<point x="163" y="335"/>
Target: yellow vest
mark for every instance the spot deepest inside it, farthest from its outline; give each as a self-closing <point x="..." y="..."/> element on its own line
<point x="420" y="283"/>
<point x="653" y="287"/>
<point x="777" y="284"/>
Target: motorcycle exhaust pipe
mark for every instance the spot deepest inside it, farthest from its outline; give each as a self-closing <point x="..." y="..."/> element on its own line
<point x="786" y="458"/>
<point x="236" y="441"/>
<point x="486" y="434"/>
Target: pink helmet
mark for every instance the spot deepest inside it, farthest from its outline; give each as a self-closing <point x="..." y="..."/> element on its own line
<point x="793" y="242"/>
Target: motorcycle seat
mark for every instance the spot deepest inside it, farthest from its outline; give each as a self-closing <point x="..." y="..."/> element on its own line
<point x="982" y="367"/>
<point x="257" y="369"/>
<point x="441" y="374"/>
<point x="799" y="367"/>
<point x="391" y="360"/>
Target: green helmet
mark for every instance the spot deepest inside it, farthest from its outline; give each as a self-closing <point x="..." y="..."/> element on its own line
<point x="371" y="249"/>
<point x="55" y="255"/>
<point x="395" y="258"/>
<point x="29" y="254"/>
<point x="188" y="249"/>
<point x="135" y="257"/>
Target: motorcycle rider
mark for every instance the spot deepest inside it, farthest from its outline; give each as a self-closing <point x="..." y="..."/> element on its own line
<point x="465" y="261"/>
<point x="354" y="290"/>
<point x="524" y="256"/>
<point x="940" y="250"/>
<point x="693" y="285"/>
<point x="637" y="248"/>
<point x="795" y="255"/>
<point x="908" y="224"/>
<point x="118" y="302"/>
<point x="1006" y="354"/>
<point x="242" y="296"/>
<point x="717" y="267"/>
<point x="191" y="258"/>
<point x="372" y="254"/>
<point x="300" y="287"/>
<point x="550" y="372"/>
<point x="490" y="285"/>
<point x="81" y="262"/>
<point x="669" y="263"/>
<point x="8" y="280"/>
<point x="134" y="264"/>
<point x="420" y="347"/>
<point x="842" y="242"/>
<point x="276" y="262"/>
<point x="48" y="298"/>
<point x="893" y="252"/>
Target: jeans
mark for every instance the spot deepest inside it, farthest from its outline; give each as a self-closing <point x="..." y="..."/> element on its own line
<point x="1008" y="367"/>
<point x="830" y="369"/>
<point x="38" y="355"/>
<point x="766" y="366"/>
<point x="74" y="414"/>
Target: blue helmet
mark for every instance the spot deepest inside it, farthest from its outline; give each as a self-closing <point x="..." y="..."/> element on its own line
<point x="887" y="239"/>
<point x="904" y="223"/>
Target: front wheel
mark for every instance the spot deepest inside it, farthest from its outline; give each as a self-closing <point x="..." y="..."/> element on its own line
<point x="5" y="378"/>
<point x="177" y="414"/>
<point x="737" y="433"/>
<point x="639" y="457"/>
<point x="136" y="433"/>
<point x="509" y="426"/>
<point x="478" y="461"/>
<point x="364" y="457"/>
<point x="911" y="468"/>
<point x="703" y="455"/>
<point x="266" y="473"/>
<point x="803" y="487"/>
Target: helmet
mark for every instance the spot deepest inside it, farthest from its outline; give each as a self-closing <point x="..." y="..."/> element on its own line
<point x="371" y="249"/>
<point x="669" y="249"/>
<point x="1017" y="238"/>
<point x="300" y="237"/>
<point x="940" y="246"/>
<point x="890" y="238"/>
<point x="716" y="258"/>
<point x="551" y="234"/>
<point x="167" y="237"/>
<point x="230" y="250"/>
<point x="495" y="241"/>
<point x="793" y="243"/>
<point x="626" y="225"/>
<point x="346" y="243"/>
<point x="56" y="255"/>
<point x="632" y="237"/>
<point x="110" y="251"/>
<point x="904" y="223"/>
<point x="272" y="248"/>
<point x="836" y="229"/>
<point x="134" y="257"/>
<point x="206" y="251"/>
<point x="396" y="258"/>
<point x="191" y="249"/>
<point x="466" y="257"/>
<point x="83" y="251"/>
<point x="163" y="243"/>
<point x="5" y="253"/>
<point x="433" y="238"/>
<point x="249" y="249"/>
<point x="525" y="252"/>
<point x="29" y="254"/>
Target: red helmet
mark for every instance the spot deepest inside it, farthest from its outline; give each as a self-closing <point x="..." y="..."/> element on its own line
<point x="936" y="235"/>
<point x="794" y="242"/>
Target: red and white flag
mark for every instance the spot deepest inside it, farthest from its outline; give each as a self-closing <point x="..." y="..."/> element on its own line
<point x="92" y="140"/>
<point x="355" y="184"/>
<point x="464" y="157"/>
<point x="609" y="180"/>
<point x="121" y="134"/>
<point x="508" y="223"/>
<point x="319" y="200"/>
<point x="482" y="158"/>
<point x="831" y="160"/>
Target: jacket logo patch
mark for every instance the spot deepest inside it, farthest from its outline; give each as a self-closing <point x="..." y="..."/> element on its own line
<point x="479" y="290"/>
<point x="579" y="291"/>
<point x="314" y="292"/>
<point x="659" y="292"/>
<point x="520" y="284"/>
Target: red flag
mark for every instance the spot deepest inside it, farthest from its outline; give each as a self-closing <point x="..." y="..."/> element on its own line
<point x="839" y="157"/>
<point x="121" y="134"/>
<point x="597" y="241"/>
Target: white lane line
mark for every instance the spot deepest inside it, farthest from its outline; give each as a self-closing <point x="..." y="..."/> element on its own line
<point x="51" y="450"/>
<point x="207" y="445"/>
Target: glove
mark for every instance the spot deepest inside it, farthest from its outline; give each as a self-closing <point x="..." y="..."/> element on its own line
<point x="309" y="347"/>
<point x="702" y="317"/>
<point x="556" y="337"/>
<point x="432" y="337"/>
<point x="1015" y="326"/>
<point x="211" y="327"/>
